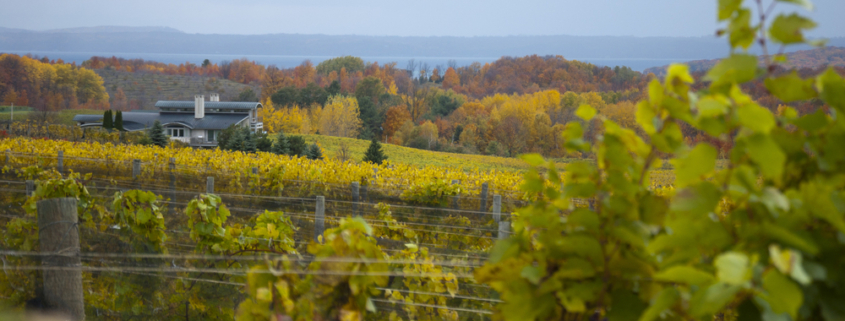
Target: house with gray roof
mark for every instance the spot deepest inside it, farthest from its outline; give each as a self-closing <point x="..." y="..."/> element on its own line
<point x="197" y="122"/>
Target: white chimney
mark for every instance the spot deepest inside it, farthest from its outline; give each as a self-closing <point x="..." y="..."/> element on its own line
<point x="214" y="97"/>
<point x="199" y="106"/>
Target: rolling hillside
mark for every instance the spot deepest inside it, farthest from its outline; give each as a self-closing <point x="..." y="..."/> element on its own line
<point x="147" y="88"/>
<point x="827" y="56"/>
<point x="332" y="145"/>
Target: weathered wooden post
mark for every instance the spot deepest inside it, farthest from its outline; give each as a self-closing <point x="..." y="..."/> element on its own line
<point x="456" y="198"/>
<point x="136" y="168"/>
<point x="62" y="276"/>
<point x="320" y="219"/>
<point x="255" y="171"/>
<point x="172" y="173"/>
<point x="497" y="208"/>
<point x="355" y="189"/>
<point x="364" y="194"/>
<point x="504" y="229"/>
<point x="209" y="185"/>
<point x="30" y="187"/>
<point x="483" y="206"/>
<point x="60" y="161"/>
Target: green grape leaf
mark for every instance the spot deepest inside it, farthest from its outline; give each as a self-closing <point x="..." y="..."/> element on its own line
<point x="665" y="300"/>
<point x="626" y="306"/>
<point x="732" y="268"/>
<point x="738" y="68"/>
<point x="812" y="122"/>
<point x="791" y="87"/>
<point x="806" y="4"/>
<point x="586" y="112"/>
<point x="532" y="274"/>
<point x="756" y="118"/>
<point x="728" y="7"/>
<point x="686" y="275"/>
<point x="700" y="198"/>
<point x="645" y="117"/>
<point x="700" y="161"/>
<point x="789" y="29"/>
<point x="783" y="295"/>
<point x="764" y="151"/>
<point x="711" y="106"/>
<point x="712" y="299"/>
<point x="831" y="87"/>
<point x="741" y="32"/>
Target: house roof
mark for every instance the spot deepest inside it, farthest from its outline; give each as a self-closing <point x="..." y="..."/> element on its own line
<point x="133" y="121"/>
<point x="245" y="105"/>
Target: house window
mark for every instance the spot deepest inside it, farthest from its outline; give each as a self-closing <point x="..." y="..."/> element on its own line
<point x="212" y="135"/>
<point x="175" y="132"/>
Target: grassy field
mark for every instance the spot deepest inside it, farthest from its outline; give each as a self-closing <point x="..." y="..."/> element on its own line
<point x="407" y="155"/>
<point x="65" y="117"/>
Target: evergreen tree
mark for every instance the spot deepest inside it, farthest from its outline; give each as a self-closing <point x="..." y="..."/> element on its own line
<point x="263" y="142"/>
<point x="118" y="121"/>
<point x="224" y="140"/>
<point x="156" y="134"/>
<point x="250" y="144"/>
<point x="236" y="141"/>
<point x="296" y="146"/>
<point x="108" y="120"/>
<point x="374" y="153"/>
<point x="314" y="152"/>
<point x="281" y="147"/>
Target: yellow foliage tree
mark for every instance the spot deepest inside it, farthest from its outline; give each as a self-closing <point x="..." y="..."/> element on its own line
<point x="340" y="117"/>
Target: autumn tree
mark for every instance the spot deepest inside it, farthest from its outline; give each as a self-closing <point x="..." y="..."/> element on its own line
<point x="10" y="97"/>
<point x="451" y="80"/>
<point x="395" y="117"/>
<point x="340" y="117"/>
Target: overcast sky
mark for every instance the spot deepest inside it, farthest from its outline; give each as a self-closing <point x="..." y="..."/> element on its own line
<point x="396" y="17"/>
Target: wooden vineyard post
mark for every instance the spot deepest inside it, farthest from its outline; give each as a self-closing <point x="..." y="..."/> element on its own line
<point x="136" y="169"/>
<point x="504" y="229"/>
<point x="504" y="226"/>
<point x="172" y="173"/>
<point x="455" y="199"/>
<point x="30" y="187"/>
<point x="483" y="206"/>
<point x="209" y="185"/>
<point x="257" y="187"/>
<point x="355" y="197"/>
<point x="497" y="208"/>
<point x="320" y="217"/>
<point x="60" y="161"/>
<point x="8" y="158"/>
<point x="62" y="275"/>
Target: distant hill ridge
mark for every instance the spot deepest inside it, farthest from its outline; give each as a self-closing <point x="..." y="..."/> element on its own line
<point x="113" y="29"/>
<point x="172" y="41"/>
<point x="827" y="56"/>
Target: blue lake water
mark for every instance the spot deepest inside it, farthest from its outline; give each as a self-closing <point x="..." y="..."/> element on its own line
<point x="293" y="61"/>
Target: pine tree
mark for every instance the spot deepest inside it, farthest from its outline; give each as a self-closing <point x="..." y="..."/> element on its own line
<point x="250" y="144"/>
<point x="281" y="147"/>
<point x="118" y="121"/>
<point x="296" y="146"/>
<point x="108" y="120"/>
<point x="314" y="152"/>
<point x="156" y="134"/>
<point x="374" y="153"/>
